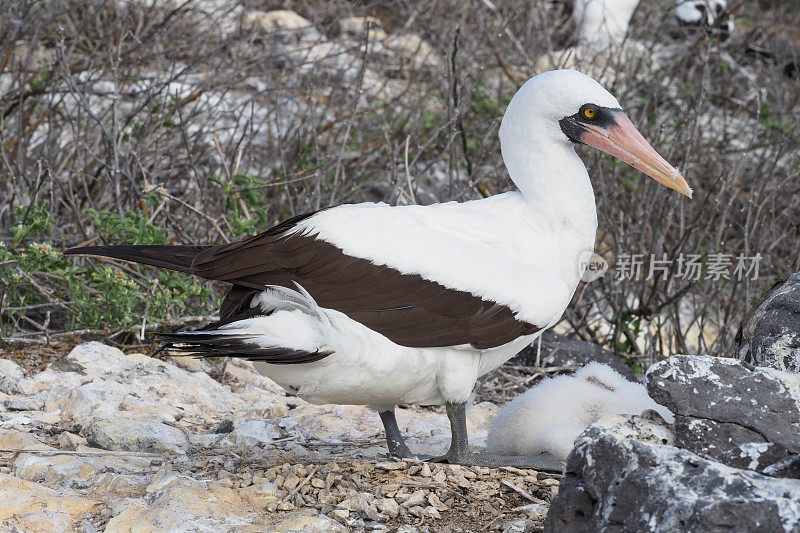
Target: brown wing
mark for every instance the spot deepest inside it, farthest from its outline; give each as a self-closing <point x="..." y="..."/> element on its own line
<point x="406" y="308"/>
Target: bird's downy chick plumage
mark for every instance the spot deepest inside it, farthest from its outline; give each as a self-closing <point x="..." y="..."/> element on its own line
<point x="551" y="415"/>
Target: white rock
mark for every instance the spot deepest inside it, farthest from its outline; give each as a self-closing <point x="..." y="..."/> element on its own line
<point x="389" y="507"/>
<point x="23" y="404"/>
<point x="535" y="511"/>
<point x="11" y="369"/>
<point x="70" y="441"/>
<point x="252" y="433"/>
<point x="30" y="506"/>
<point x="283" y="24"/>
<point x="261" y="494"/>
<point x="244" y="372"/>
<point x="192" y="364"/>
<point x="417" y="498"/>
<point x="80" y="472"/>
<point x="308" y="523"/>
<point x="413" y="51"/>
<point x="11" y="439"/>
<point x="355" y="26"/>
<point x="136" y="436"/>
<point x="357" y="501"/>
<point x="103" y="382"/>
<point x="186" y="505"/>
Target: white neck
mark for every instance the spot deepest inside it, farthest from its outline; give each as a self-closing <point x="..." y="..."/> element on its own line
<point x="553" y="180"/>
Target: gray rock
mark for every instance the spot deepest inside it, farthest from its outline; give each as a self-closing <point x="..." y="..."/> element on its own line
<point x="535" y="511"/>
<point x="770" y="333"/>
<point x="516" y="525"/>
<point x="727" y="391"/>
<point x="24" y="404"/>
<point x="136" y="436"/>
<point x="561" y="351"/>
<point x="621" y="477"/>
<point x="371" y="515"/>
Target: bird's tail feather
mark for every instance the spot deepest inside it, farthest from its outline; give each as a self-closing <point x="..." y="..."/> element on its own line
<point x="219" y="344"/>
<point x="283" y="326"/>
<point x="166" y="256"/>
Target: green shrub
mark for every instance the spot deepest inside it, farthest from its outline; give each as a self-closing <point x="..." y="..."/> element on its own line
<point x="39" y="285"/>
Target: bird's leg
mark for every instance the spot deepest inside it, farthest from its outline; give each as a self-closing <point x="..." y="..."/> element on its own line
<point x="394" y="440"/>
<point x="459" y="452"/>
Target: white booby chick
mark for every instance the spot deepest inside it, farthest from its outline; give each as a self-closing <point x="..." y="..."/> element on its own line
<point x="551" y="415"/>
<point x="383" y="305"/>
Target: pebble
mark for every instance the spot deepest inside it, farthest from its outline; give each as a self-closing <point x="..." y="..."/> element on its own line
<point x="341" y="515"/>
<point x="389" y="507"/>
<point x="416" y="498"/>
<point x="291" y="482"/>
<point x="425" y="470"/>
<point x="371" y="515"/>
<point x="398" y="465"/>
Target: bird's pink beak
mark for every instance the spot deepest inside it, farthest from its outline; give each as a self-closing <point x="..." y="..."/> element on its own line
<point x="622" y="140"/>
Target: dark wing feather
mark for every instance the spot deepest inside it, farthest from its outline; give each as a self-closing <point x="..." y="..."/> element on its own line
<point x="406" y="308"/>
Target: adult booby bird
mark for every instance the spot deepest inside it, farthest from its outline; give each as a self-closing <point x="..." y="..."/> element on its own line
<point x="602" y="23"/>
<point x="383" y="305"/>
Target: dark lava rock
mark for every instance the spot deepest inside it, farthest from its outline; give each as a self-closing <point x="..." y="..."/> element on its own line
<point x="727" y="391"/>
<point x="758" y="456"/>
<point x="624" y="475"/>
<point x="788" y="467"/>
<point x="770" y="333"/>
<point x="711" y="438"/>
<point x="561" y="351"/>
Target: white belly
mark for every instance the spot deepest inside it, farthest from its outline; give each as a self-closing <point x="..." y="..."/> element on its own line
<point x="369" y="369"/>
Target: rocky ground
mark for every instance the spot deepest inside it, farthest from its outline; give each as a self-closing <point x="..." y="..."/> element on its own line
<point x="95" y="439"/>
<point x="103" y="440"/>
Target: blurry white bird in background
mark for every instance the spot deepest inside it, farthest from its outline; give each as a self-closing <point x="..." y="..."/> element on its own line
<point x="708" y="14"/>
<point x="551" y="415"/>
<point x="602" y="23"/>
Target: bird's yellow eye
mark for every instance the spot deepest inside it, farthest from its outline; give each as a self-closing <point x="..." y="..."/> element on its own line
<point x="589" y="112"/>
